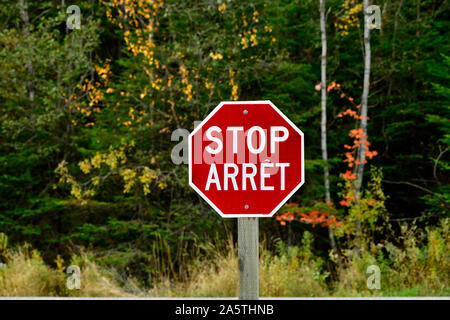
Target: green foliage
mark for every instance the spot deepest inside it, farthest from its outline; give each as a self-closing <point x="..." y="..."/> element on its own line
<point x="87" y="116"/>
<point x="3" y="245"/>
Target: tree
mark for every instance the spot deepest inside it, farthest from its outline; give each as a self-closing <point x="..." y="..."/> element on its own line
<point x="323" y="124"/>
<point x="361" y="154"/>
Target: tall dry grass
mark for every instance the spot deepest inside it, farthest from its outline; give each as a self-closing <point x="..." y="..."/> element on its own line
<point x="290" y="273"/>
<point x="26" y="274"/>
<point x="418" y="265"/>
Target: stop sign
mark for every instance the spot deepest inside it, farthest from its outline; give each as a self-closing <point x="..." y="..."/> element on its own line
<point x="246" y="159"/>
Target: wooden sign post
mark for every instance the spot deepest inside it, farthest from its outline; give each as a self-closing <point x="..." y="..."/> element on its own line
<point x="246" y="161"/>
<point x="248" y="258"/>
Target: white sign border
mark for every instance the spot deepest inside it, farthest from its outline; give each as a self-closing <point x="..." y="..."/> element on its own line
<point x="302" y="159"/>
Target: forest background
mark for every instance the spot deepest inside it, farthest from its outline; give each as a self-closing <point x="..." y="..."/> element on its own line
<point x="90" y="171"/>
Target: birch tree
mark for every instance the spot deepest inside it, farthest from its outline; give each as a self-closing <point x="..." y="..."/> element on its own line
<point x="323" y="125"/>
<point x="361" y="156"/>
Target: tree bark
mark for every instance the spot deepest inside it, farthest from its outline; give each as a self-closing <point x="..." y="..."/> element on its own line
<point x="359" y="168"/>
<point x="26" y="20"/>
<point x="323" y="125"/>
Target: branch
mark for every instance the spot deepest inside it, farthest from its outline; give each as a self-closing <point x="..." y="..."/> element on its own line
<point x="436" y="162"/>
<point x="421" y="188"/>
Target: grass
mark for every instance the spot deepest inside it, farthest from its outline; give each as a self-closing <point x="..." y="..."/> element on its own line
<point x="412" y="268"/>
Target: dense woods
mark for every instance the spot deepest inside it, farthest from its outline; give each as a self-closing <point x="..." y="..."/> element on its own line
<point x="94" y="123"/>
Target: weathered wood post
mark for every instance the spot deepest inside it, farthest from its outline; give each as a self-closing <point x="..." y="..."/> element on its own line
<point x="248" y="258"/>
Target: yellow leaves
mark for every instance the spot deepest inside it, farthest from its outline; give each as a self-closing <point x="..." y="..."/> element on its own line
<point x="133" y="177"/>
<point x="76" y="191"/>
<point x="253" y="40"/>
<point x="59" y="263"/>
<point x="244" y="43"/>
<point x="248" y="38"/>
<point x="350" y="18"/>
<point x="255" y="16"/>
<point x="104" y="72"/>
<point x="96" y="161"/>
<point x="157" y="84"/>
<point x="187" y="90"/>
<point x="145" y="177"/>
<point x="216" y="56"/>
<point x="85" y="166"/>
<point x="128" y="176"/>
<point x="208" y="84"/>
<point x="131" y="113"/>
<point x="94" y="94"/>
<point x="234" y="92"/>
<point x="161" y="185"/>
<point x="63" y="172"/>
<point x="183" y="71"/>
<point x="111" y="159"/>
<point x="222" y="7"/>
<point x="234" y="87"/>
<point x="148" y="175"/>
<point x="95" y="181"/>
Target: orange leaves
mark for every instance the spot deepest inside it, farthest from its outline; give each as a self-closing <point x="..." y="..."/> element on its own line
<point x="357" y="133"/>
<point x="337" y="87"/>
<point x="331" y="87"/>
<point x="360" y="141"/>
<point x="349" y="196"/>
<point x="350" y="159"/>
<point x="317" y="217"/>
<point x="286" y="216"/>
<point x="320" y="214"/>
<point x="348" y="175"/>
<point x="371" y="154"/>
<point x="349" y="112"/>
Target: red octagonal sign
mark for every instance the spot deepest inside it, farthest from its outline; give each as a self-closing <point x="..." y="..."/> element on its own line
<point x="246" y="159"/>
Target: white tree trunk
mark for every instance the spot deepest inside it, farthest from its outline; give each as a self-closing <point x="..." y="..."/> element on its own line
<point x="323" y="124"/>
<point x="361" y="156"/>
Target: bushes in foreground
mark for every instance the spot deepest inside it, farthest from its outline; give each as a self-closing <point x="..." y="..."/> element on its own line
<point x="419" y="265"/>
